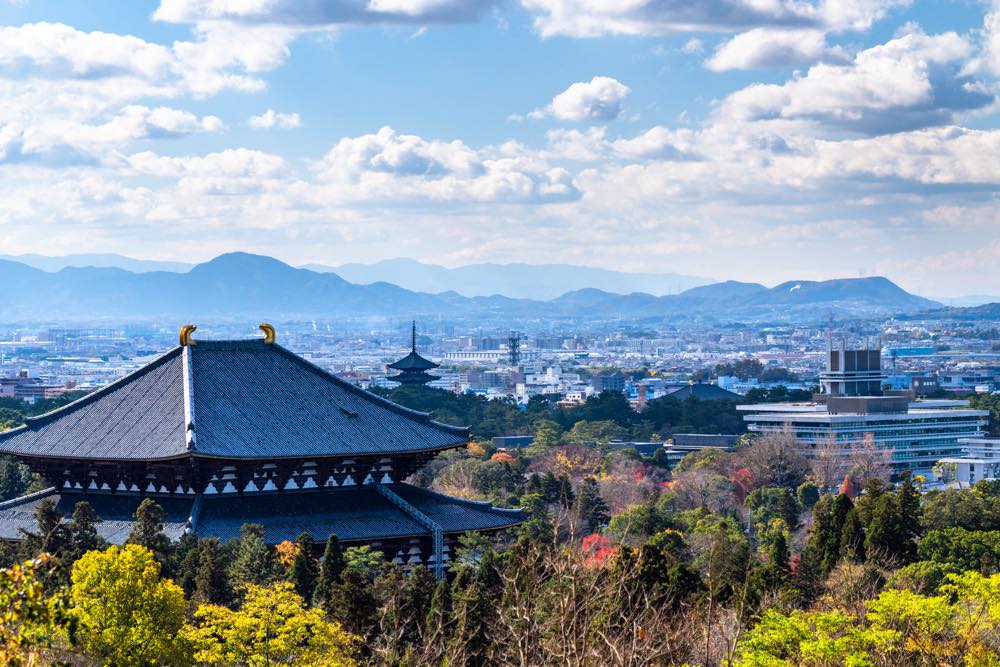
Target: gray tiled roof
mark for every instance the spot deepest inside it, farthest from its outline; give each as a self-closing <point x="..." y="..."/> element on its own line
<point x="243" y="399"/>
<point x="354" y="514"/>
<point x="117" y="513"/>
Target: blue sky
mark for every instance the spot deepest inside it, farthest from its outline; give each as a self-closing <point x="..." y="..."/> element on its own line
<point x="737" y="139"/>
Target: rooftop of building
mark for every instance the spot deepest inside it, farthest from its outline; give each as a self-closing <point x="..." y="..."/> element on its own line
<point x="234" y="399"/>
<point x="354" y="514"/>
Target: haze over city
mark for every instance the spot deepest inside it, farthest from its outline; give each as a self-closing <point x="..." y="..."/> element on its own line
<point x="765" y="143"/>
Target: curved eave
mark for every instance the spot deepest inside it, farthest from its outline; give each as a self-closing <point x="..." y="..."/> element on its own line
<point x="413" y="362"/>
<point x="192" y="455"/>
<point x="479" y="504"/>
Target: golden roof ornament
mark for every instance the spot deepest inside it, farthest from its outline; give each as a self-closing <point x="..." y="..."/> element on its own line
<point x="185" y="336"/>
<point x="269" y="334"/>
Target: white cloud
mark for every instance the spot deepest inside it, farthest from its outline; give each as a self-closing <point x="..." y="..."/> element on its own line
<point x="125" y="67"/>
<point x="593" y="18"/>
<point x="909" y="82"/>
<point x="693" y="47"/>
<point x="387" y="166"/>
<point x="78" y="96"/>
<point x="766" y="47"/>
<point x="271" y="118"/>
<point x="658" y="143"/>
<point x="312" y="15"/>
<point x="991" y="38"/>
<point x="598" y="99"/>
<point x="67" y="140"/>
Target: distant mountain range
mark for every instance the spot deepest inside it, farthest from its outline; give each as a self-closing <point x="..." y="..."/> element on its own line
<point x="986" y="311"/>
<point x="245" y="286"/>
<point x="518" y="281"/>
<point x="101" y="260"/>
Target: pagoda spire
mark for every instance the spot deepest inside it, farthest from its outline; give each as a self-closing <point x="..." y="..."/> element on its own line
<point x="413" y="368"/>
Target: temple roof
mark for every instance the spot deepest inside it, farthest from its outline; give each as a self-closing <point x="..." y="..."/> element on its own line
<point x="228" y="399"/>
<point x="413" y="362"/>
<point x="353" y="513"/>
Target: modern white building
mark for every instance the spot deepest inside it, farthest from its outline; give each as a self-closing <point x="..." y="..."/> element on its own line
<point x="853" y="407"/>
<point x="980" y="460"/>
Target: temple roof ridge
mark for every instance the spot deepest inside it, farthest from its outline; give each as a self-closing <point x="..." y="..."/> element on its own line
<point x="241" y="399"/>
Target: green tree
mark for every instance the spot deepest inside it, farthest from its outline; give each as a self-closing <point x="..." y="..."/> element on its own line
<point x="885" y="536"/>
<point x="595" y="432"/>
<point x="807" y="494"/>
<point x="590" y="506"/>
<point x="769" y="503"/>
<point x="32" y="620"/>
<point x="82" y="532"/>
<point x="210" y="584"/>
<point x="852" y="538"/>
<point x="960" y="549"/>
<point x="305" y="569"/>
<point x="272" y="627"/>
<point x="329" y="570"/>
<point x="546" y="434"/>
<point x="253" y="561"/>
<point x="51" y="535"/>
<point x="148" y="532"/>
<point x="128" y="615"/>
<point x="15" y="478"/>
<point x="908" y="500"/>
<point x="538" y="525"/>
<point x="353" y="602"/>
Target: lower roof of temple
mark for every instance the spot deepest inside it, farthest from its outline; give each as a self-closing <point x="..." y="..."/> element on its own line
<point x="354" y="514"/>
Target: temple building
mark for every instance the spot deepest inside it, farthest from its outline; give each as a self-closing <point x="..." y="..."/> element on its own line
<point x="413" y="368"/>
<point x="224" y="433"/>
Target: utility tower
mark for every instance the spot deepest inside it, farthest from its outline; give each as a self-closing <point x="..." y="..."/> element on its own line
<point x="514" y="348"/>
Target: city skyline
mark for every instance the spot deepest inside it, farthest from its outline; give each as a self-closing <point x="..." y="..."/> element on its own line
<point x="734" y="140"/>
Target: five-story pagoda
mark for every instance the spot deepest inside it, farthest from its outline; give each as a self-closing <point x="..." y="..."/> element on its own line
<point x="223" y="433"/>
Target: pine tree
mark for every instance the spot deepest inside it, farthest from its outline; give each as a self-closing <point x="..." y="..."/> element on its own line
<point x="852" y="538"/>
<point x="437" y="623"/>
<point x="210" y="585"/>
<point x="416" y="603"/>
<point x="566" y="495"/>
<point x="590" y="506"/>
<point x="466" y="610"/>
<point x="253" y="562"/>
<point x="82" y="529"/>
<point x="550" y="487"/>
<point x="51" y="534"/>
<point x="808" y="576"/>
<point x="908" y="501"/>
<point x="305" y="569"/>
<point x="788" y="509"/>
<point x="534" y="484"/>
<point x="186" y="555"/>
<point x="885" y="536"/>
<point x="777" y="553"/>
<point x="148" y="532"/>
<point x="538" y="526"/>
<point x="15" y="477"/>
<point x="353" y="602"/>
<point x="329" y="570"/>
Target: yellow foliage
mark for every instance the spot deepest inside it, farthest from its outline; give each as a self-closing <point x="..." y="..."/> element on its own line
<point x="476" y="449"/>
<point x="272" y="627"/>
<point x="286" y="552"/>
<point x="28" y="620"/>
<point x="128" y="615"/>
